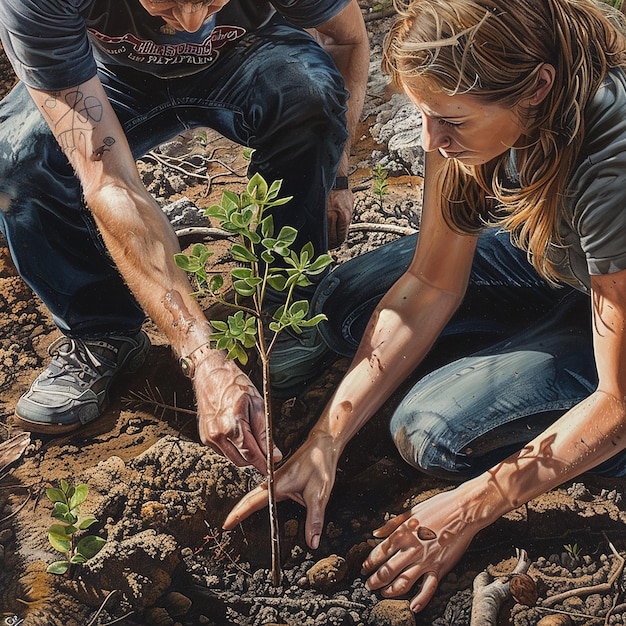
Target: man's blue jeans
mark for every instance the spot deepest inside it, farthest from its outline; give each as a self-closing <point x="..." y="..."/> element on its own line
<point x="535" y="359"/>
<point x="276" y="91"/>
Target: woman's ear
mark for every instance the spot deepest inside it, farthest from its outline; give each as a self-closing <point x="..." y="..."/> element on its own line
<point x="545" y="81"/>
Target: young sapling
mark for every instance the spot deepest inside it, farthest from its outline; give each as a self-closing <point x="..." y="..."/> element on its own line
<point x="266" y="260"/>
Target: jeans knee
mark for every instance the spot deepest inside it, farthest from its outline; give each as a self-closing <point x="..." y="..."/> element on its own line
<point x="423" y="441"/>
<point x="315" y="101"/>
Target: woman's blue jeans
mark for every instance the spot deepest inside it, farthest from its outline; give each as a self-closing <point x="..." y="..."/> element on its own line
<point x="534" y="363"/>
<point x="276" y="91"/>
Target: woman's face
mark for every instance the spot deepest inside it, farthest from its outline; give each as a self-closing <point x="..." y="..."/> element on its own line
<point x="463" y="127"/>
<point x="187" y="16"/>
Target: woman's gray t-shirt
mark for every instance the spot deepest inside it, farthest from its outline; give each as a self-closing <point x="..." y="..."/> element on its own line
<point x="594" y="229"/>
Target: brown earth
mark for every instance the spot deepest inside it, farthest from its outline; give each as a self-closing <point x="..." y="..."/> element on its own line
<point x="161" y="496"/>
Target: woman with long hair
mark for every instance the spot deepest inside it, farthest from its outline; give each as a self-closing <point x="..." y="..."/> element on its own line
<point x="522" y="245"/>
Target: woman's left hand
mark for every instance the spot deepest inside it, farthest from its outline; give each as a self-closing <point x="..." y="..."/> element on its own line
<point x="423" y="543"/>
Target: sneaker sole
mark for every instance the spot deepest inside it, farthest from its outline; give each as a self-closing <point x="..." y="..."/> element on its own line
<point x="131" y="365"/>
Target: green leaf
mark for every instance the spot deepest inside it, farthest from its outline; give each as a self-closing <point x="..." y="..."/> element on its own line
<point x="238" y="353"/>
<point x="314" y="321"/>
<point x="242" y="254"/>
<point x="299" y="308"/>
<point x="182" y="261"/>
<point x="222" y="342"/>
<point x="243" y="288"/>
<point x="79" y="496"/>
<point x="86" y="523"/>
<point x="242" y="272"/>
<point x="267" y="227"/>
<point x="274" y="189"/>
<point x="288" y="235"/>
<point x="69" y="493"/>
<point x="267" y="257"/>
<point x="58" y="538"/>
<point x="78" y="558"/>
<point x="64" y="485"/>
<point x="60" y="509"/>
<point x="219" y="325"/>
<point x="257" y="187"/>
<point x="319" y="264"/>
<point x="90" y="546"/>
<point x="58" y="567"/>
<point x="277" y="281"/>
<point x="55" y="495"/>
<point x="216" y="212"/>
<point x="216" y="283"/>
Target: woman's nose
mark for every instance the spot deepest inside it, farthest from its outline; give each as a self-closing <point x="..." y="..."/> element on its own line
<point x="434" y="134"/>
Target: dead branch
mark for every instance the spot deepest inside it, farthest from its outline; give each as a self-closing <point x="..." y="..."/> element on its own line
<point x="383" y="228"/>
<point x="489" y="594"/>
<point x="202" y="233"/>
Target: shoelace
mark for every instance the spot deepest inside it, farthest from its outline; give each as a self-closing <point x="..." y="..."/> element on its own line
<point x="77" y="359"/>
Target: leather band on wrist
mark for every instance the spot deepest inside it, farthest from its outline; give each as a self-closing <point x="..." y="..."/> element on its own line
<point x="341" y="182"/>
<point x="190" y="362"/>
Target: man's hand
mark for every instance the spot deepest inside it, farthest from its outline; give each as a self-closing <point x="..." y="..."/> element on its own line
<point x="307" y="478"/>
<point x="231" y="417"/>
<point x="425" y="542"/>
<point x="340" y="207"/>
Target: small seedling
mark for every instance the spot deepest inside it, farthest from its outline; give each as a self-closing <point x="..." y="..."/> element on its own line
<point x="573" y="550"/>
<point x="265" y="260"/>
<point x="380" y="182"/>
<point x="67" y="501"/>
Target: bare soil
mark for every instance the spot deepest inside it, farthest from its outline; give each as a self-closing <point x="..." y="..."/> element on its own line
<point x="160" y="495"/>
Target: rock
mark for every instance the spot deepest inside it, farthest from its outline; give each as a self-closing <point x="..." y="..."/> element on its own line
<point x="177" y="604"/>
<point x="158" y="616"/>
<point x="392" y="613"/>
<point x="523" y="589"/>
<point x="355" y="557"/>
<point x="183" y="212"/>
<point x="328" y="573"/>
<point x="154" y="515"/>
<point x="555" y="620"/>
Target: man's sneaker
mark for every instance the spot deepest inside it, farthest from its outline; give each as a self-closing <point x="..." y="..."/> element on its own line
<point x="73" y="390"/>
<point x="296" y="359"/>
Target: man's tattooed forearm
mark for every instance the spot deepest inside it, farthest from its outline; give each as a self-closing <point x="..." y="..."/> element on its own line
<point x="84" y="112"/>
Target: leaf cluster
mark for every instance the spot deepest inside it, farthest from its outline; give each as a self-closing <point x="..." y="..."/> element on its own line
<point x="67" y="500"/>
<point x="266" y="260"/>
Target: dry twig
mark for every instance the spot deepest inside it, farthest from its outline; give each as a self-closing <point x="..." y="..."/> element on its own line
<point x="489" y="594"/>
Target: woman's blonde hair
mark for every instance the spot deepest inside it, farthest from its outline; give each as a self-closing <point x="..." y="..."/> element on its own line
<point x="494" y="50"/>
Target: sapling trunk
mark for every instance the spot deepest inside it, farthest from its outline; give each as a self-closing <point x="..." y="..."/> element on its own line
<point x="269" y="440"/>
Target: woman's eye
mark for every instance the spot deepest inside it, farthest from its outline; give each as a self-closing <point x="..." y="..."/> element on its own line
<point x="443" y="122"/>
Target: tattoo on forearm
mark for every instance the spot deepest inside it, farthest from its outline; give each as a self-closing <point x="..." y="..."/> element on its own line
<point x="83" y="112"/>
<point x="99" y="152"/>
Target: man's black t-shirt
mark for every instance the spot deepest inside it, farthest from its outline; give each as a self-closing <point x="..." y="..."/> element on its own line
<point x="54" y="44"/>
